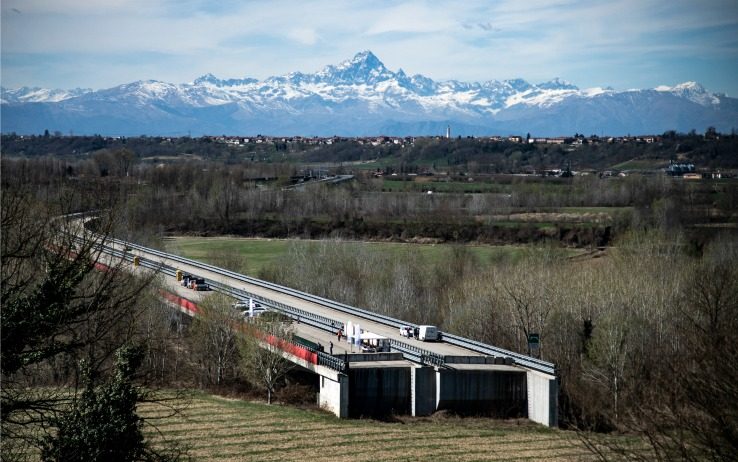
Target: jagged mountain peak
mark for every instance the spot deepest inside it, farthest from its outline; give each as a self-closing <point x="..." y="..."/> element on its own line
<point x="362" y="58"/>
<point x="519" y="84"/>
<point x="557" y="84"/>
<point x="363" y="68"/>
<point x="692" y="91"/>
<point x="210" y="79"/>
<point x="682" y="87"/>
<point x="207" y="78"/>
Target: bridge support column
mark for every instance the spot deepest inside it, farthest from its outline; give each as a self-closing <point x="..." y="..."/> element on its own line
<point x="543" y="398"/>
<point x="334" y="395"/>
<point x="423" y="390"/>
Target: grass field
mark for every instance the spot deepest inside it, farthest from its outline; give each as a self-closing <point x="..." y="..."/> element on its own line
<point x="260" y="253"/>
<point x="219" y="429"/>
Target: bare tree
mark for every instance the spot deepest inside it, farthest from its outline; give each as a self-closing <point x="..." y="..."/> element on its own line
<point x="214" y="338"/>
<point x="261" y="351"/>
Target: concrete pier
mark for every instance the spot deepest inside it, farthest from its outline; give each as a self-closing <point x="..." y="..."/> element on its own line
<point x="543" y="398"/>
<point x="334" y="395"/>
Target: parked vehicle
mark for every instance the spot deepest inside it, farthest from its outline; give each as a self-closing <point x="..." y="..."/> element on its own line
<point x="249" y="308"/>
<point x="241" y="305"/>
<point x="254" y="313"/>
<point x="200" y="284"/>
<point x="406" y="331"/>
<point x="428" y="333"/>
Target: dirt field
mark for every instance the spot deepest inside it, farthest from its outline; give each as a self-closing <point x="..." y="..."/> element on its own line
<point x="220" y="429"/>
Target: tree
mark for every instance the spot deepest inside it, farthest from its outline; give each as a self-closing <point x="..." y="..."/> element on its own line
<point x="214" y="337"/>
<point x="608" y="354"/>
<point x="103" y="424"/>
<point x="261" y="354"/>
<point x="62" y="300"/>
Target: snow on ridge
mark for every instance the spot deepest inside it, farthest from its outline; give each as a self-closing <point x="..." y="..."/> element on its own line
<point x="361" y="78"/>
<point x="40" y="95"/>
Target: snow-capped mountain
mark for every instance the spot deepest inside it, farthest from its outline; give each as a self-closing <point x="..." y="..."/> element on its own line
<point x="39" y="95"/>
<point x="361" y="96"/>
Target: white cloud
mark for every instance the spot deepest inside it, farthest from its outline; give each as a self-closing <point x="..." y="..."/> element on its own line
<point x="305" y="36"/>
<point x="473" y="40"/>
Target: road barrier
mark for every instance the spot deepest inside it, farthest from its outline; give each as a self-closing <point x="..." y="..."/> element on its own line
<point x="412" y="352"/>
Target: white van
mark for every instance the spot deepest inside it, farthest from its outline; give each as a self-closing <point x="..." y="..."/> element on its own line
<point x="428" y="333"/>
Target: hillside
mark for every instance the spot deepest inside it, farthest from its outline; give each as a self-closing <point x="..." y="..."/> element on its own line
<point x="221" y="429"/>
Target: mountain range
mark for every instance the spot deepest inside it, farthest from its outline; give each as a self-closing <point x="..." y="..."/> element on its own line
<point x="361" y="96"/>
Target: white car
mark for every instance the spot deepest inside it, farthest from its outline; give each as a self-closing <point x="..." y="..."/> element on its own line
<point x="406" y="331"/>
<point x="249" y="308"/>
<point x="256" y="312"/>
<point x="245" y="304"/>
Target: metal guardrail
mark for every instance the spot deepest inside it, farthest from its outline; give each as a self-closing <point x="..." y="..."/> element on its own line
<point x="323" y="358"/>
<point x="387" y="320"/>
<point x="421" y="355"/>
<point x="430" y="357"/>
<point x="520" y="359"/>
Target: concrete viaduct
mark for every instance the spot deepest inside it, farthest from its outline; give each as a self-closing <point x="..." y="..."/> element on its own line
<point x="415" y="377"/>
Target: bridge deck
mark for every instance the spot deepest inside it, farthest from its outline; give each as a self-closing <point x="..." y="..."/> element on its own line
<point x="312" y="333"/>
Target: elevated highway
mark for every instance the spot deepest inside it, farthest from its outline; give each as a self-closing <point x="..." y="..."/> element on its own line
<point x="416" y="377"/>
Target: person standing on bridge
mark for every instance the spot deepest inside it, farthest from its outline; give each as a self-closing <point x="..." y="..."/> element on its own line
<point x="340" y="334"/>
<point x="330" y="348"/>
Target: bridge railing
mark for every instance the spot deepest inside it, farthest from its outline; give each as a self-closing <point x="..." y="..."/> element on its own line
<point x="521" y="359"/>
<point x="322" y="322"/>
<point x="324" y="359"/>
<point x="420" y="355"/>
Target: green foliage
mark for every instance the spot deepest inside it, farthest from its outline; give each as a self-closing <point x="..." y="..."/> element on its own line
<point x="31" y="318"/>
<point x="103" y="425"/>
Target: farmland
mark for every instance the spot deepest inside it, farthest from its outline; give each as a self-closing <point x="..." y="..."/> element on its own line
<point x="220" y="429"/>
<point x="259" y="254"/>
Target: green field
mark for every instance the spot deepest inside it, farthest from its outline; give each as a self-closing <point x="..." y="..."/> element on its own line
<point x="219" y="429"/>
<point x="258" y="254"/>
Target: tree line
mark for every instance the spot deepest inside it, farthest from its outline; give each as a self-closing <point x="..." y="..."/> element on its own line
<point x="476" y="155"/>
<point x="247" y="199"/>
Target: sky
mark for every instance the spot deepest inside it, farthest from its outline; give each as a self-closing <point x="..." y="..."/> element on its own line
<point x="592" y="43"/>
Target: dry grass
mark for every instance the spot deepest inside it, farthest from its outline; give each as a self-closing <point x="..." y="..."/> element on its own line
<point x="220" y="429"/>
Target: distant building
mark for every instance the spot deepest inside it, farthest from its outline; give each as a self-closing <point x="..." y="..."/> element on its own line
<point x="448" y="132"/>
<point x="676" y="169"/>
